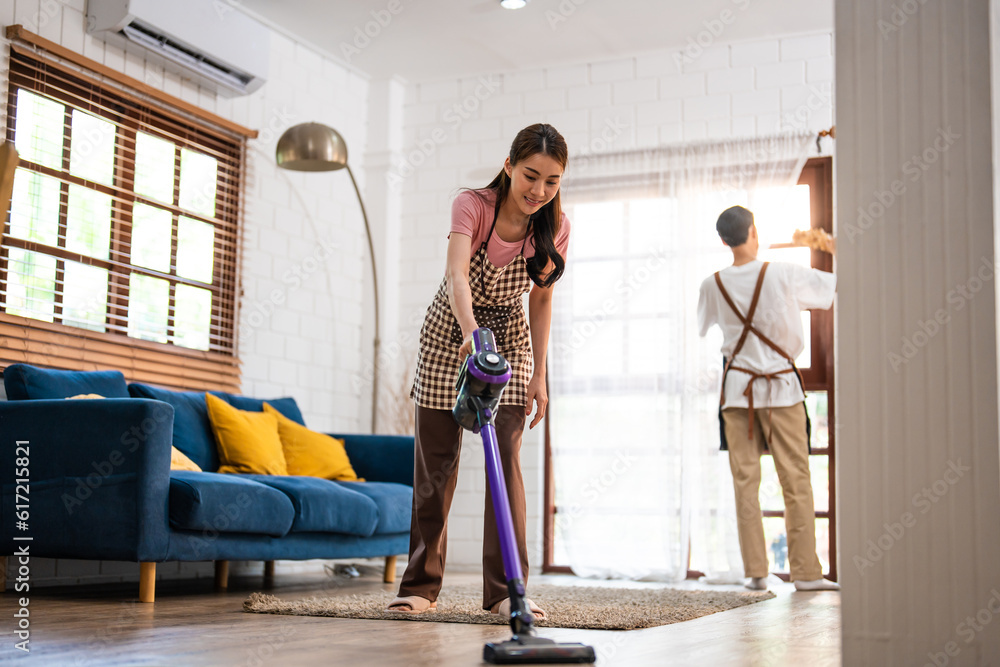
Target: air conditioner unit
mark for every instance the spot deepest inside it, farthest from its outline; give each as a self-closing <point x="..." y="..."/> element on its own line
<point x="212" y="39"/>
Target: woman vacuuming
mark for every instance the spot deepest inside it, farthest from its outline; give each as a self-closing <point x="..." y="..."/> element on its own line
<point x="507" y="239"/>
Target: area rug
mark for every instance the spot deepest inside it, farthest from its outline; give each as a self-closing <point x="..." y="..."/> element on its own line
<point x="597" y="608"/>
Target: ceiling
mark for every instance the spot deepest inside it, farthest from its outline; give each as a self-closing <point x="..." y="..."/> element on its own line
<point x="426" y="40"/>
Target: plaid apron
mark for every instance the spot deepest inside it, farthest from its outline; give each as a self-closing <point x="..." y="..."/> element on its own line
<point x="497" y="304"/>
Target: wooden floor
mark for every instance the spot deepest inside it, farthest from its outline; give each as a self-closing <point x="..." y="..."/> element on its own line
<point x="190" y="624"/>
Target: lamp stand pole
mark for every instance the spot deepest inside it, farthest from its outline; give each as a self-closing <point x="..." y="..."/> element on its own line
<point x="376" y="343"/>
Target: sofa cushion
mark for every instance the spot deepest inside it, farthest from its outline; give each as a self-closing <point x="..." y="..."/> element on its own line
<point x="286" y="406"/>
<point x="322" y="506"/>
<point x="311" y="454"/>
<point x="192" y="430"/>
<point x="247" y="441"/>
<point x="213" y="502"/>
<point x="394" y="502"/>
<point x="23" y="382"/>
<point x="179" y="461"/>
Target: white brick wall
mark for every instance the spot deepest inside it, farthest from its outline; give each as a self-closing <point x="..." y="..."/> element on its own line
<point x="743" y="89"/>
<point x="307" y="342"/>
<point x="288" y="215"/>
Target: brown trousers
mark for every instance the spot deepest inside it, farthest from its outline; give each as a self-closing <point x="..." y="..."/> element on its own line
<point x="435" y="474"/>
<point x="790" y="450"/>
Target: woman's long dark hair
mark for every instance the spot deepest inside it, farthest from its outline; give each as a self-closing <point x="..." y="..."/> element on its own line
<point x="544" y="223"/>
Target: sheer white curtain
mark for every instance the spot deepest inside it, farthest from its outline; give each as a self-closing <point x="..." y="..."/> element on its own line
<point x="642" y="490"/>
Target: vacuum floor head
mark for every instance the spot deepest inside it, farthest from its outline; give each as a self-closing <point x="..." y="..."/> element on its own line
<point x="530" y="650"/>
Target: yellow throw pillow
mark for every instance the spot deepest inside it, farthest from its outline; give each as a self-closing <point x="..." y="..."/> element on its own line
<point x="180" y="461"/>
<point x="247" y="442"/>
<point x="310" y="453"/>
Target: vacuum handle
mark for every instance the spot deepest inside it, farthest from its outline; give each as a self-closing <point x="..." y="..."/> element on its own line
<point x="483" y="341"/>
<point x="501" y="505"/>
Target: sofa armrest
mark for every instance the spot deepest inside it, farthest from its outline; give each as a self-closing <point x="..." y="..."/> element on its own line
<point x="99" y="476"/>
<point x="380" y="458"/>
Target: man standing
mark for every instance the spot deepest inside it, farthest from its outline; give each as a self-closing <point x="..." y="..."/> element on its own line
<point x="757" y="306"/>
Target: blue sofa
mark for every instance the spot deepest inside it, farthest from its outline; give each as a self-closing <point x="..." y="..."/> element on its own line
<point x="100" y="485"/>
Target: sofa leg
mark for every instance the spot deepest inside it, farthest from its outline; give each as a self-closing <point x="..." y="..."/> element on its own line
<point x="390" y="570"/>
<point x="147" y="582"/>
<point x="268" y="571"/>
<point x="221" y="575"/>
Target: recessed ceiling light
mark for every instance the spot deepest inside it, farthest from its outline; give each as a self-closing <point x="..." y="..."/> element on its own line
<point x="513" y="4"/>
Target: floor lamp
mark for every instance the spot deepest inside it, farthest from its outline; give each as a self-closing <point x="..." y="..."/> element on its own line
<point x="316" y="147"/>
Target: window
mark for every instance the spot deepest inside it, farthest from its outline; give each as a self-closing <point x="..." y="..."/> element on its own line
<point x="817" y="374"/>
<point x="624" y="343"/>
<point x="619" y="251"/>
<point x="122" y="233"/>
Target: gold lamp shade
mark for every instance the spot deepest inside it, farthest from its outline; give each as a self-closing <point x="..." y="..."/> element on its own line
<point x="311" y="147"/>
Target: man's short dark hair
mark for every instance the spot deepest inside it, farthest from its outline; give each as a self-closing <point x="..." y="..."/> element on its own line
<point x="734" y="225"/>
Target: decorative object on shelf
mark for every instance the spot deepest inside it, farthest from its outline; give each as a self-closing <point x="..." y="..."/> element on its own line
<point x="316" y="147"/>
<point x="832" y="133"/>
<point x="817" y="239"/>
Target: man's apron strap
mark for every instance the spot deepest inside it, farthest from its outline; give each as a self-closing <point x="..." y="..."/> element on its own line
<point x="747" y="322"/>
<point x="748" y="392"/>
<point x="747" y="328"/>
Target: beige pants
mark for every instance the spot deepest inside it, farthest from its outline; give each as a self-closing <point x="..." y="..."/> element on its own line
<point x="789" y="448"/>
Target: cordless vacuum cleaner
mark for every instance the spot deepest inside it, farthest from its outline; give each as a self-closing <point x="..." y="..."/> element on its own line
<point x="481" y="381"/>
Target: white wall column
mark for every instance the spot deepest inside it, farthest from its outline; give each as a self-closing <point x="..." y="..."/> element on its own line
<point x="385" y="141"/>
<point x="918" y="455"/>
<point x="995" y="81"/>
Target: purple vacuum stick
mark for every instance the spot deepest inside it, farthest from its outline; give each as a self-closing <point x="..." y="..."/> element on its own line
<point x="481" y="382"/>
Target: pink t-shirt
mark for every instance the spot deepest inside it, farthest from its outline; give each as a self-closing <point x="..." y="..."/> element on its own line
<point x="473" y="216"/>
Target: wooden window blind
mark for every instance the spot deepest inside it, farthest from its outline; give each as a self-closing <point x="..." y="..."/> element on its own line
<point x="121" y="247"/>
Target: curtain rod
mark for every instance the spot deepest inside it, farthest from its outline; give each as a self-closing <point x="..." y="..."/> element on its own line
<point x="689" y="145"/>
